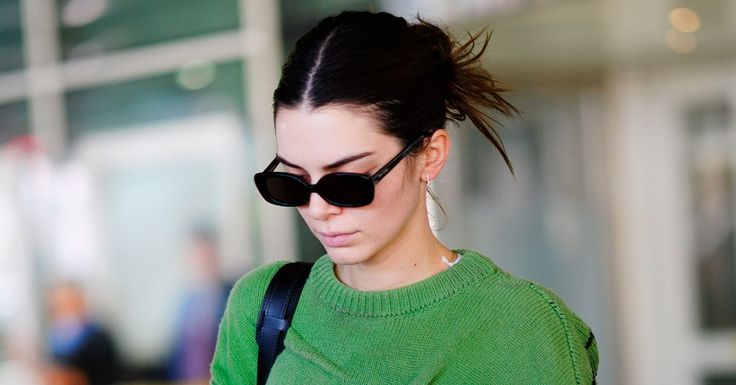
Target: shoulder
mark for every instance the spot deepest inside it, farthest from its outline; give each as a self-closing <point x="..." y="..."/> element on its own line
<point x="246" y="296"/>
<point x="544" y="309"/>
<point x="519" y="295"/>
<point x="529" y="312"/>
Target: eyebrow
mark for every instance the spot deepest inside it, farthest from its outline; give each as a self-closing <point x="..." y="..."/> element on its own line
<point x="330" y="166"/>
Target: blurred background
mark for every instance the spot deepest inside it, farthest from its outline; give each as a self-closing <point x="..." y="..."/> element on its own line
<point x="129" y="132"/>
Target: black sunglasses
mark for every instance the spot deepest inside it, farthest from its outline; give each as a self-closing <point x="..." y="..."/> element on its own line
<point x="344" y="189"/>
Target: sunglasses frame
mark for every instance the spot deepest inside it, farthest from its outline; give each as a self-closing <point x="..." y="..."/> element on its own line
<point x="261" y="179"/>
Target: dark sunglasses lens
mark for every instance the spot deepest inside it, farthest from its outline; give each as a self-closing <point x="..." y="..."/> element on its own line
<point x="284" y="190"/>
<point x="346" y="190"/>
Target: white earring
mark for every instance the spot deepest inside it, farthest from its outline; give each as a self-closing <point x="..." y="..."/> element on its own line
<point x="426" y="176"/>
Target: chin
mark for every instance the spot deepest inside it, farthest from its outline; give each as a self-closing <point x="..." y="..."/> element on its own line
<point x="346" y="255"/>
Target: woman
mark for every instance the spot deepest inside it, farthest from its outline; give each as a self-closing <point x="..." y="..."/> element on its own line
<point x="370" y="94"/>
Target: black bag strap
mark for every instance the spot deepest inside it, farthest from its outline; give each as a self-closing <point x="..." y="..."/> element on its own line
<point x="279" y="305"/>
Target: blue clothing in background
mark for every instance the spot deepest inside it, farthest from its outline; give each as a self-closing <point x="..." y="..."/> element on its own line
<point x="196" y="332"/>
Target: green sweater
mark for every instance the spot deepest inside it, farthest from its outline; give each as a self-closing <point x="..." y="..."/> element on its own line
<point x="470" y="324"/>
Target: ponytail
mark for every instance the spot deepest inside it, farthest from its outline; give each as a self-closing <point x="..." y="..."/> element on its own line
<point x="471" y="89"/>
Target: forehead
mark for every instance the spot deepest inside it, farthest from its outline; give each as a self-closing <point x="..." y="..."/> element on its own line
<point x="328" y="133"/>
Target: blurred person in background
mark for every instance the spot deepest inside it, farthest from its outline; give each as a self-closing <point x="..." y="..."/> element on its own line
<point x="200" y="311"/>
<point x="360" y="116"/>
<point x="82" y="352"/>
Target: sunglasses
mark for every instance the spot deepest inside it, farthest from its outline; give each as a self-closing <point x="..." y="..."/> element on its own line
<point x="344" y="189"/>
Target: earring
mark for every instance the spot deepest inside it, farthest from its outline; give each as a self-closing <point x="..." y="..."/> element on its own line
<point x="426" y="176"/>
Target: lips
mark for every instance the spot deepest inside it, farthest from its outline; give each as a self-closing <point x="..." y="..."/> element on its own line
<point x="336" y="239"/>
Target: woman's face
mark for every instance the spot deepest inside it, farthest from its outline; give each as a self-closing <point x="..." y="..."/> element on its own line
<point x="340" y="138"/>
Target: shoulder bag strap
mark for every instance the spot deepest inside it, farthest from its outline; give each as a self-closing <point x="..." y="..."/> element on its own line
<point x="277" y="310"/>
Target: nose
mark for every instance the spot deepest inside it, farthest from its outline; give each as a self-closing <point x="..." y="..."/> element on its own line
<point x="320" y="208"/>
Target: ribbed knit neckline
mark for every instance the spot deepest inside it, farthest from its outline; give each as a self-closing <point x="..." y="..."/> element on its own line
<point x="404" y="300"/>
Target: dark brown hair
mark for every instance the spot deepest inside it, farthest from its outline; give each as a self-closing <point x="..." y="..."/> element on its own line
<point x="414" y="76"/>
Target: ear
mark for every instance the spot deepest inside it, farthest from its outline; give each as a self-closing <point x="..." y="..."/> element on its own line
<point x="435" y="155"/>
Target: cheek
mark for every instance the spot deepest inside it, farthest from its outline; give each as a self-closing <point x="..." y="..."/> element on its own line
<point x="396" y="189"/>
<point x="394" y="200"/>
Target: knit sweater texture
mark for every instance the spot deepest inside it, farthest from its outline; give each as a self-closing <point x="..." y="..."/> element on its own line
<point x="472" y="323"/>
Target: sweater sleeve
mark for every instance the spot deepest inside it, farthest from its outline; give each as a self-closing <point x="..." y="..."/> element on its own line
<point x="236" y="354"/>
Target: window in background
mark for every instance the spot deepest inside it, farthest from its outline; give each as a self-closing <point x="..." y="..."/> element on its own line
<point x="157" y="186"/>
<point x="165" y="149"/>
<point x="90" y="27"/>
<point x="11" y="48"/>
<point x="168" y="155"/>
<point x="14" y="272"/>
<point x="13" y="121"/>
<point x="713" y="208"/>
<point x="147" y="210"/>
<point x="725" y="379"/>
<point x="216" y="88"/>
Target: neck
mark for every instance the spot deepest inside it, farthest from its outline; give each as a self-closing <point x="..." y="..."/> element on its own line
<point x="415" y="255"/>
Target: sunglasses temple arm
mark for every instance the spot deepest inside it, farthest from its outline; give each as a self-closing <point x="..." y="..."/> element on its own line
<point x="393" y="162"/>
<point x="271" y="166"/>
